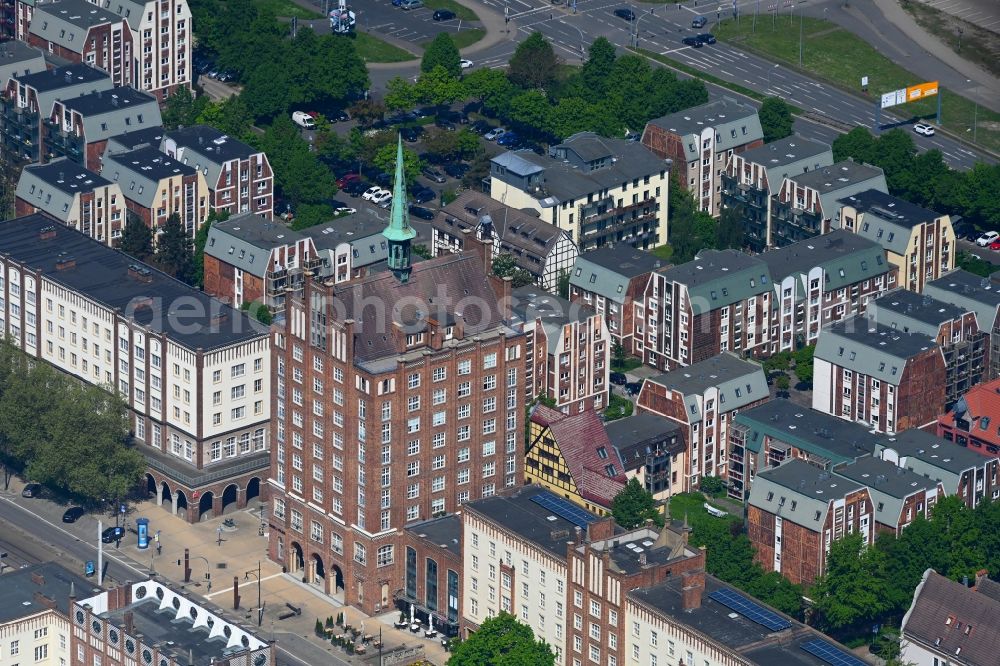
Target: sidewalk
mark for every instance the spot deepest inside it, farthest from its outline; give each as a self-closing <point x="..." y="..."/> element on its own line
<point x="242" y="550"/>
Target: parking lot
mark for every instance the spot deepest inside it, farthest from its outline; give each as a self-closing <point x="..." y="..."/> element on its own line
<point x="417" y="26"/>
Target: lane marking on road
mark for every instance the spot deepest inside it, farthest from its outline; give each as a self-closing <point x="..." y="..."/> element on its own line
<point x="229" y="590"/>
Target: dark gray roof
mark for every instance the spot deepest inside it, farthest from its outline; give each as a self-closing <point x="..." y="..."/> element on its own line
<point x="799" y="492"/>
<point x="718" y="278"/>
<point x="734" y="632"/>
<point x="788" y="157"/>
<point x="531" y="302"/>
<point x="51" y="187"/>
<point x="131" y="10"/>
<point x="884" y="477"/>
<point x="820" y="434"/>
<point x="67" y="22"/>
<point x="726" y="116"/>
<point x="924" y="453"/>
<point x="863" y="346"/>
<point x="18" y="588"/>
<point x="356" y="229"/>
<point x="18" y="59"/>
<point x="892" y="209"/>
<point x="445" y="531"/>
<point x="530" y="521"/>
<point x="142" y="168"/>
<point x="841" y="180"/>
<point x="109" y="113"/>
<point x="182" y="313"/>
<point x="65" y="83"/>
<point x="205" y="148"/>
<point x="909" y="311"/>
<point x="739" y="383"/>
<point x="967" y="290"/>
<point x="845" y="258"/>
<point x="122" y="143"/>
<point x="635" y="435"/>
<point x="246" y="241"/>
<point x="607" y="271"/>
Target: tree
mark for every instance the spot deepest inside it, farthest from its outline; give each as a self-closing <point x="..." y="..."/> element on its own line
<point x="775" y="119"/>
<point x="595" y="72"/>
<point x="691" y="230"/>
<point x="230" y="116"/>
<point x="504" y="265"/>
<point x="367" y="112"/>
<point x="852" y="593"/>
<point x="804" y="364"/>
<point x="618" y="354"/>
<point x="782" y="383"/>
<point x="502" y="641"/>
<point x="182" y="108"/>
<point x="491" y="87"/>
<point x="400" y="94"/>
<point x="448" y="146"/>
<point x="533" y="64"/>
<point x="258" y="311"/>
<point x="562" y="285"/>
<point x="730" y="230"/>
<point x="438" y="86"/>
<point x="137" y="239"/>
<point x="634" y="505"/>
<point x="173" y="250"/>
<point x="442" y="52"/>
<point x="858" y="144"/>
<point x="385" y="160"/>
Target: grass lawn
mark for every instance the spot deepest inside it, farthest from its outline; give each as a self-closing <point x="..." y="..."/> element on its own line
<point x="631" y="363"/>
<point x="288" y="8"/>
<point x="976" y="44"/>
<point x="693" y="504"/>
<point x="468" y="37"/>
<point x="461" y="11"/>
<point x="618" y="408"/>
<point x="824" y="55"/>
<point x="373" y="49"/>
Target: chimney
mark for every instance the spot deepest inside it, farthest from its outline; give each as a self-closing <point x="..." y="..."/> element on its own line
<point x="642" y="559"/>
<point x="47" y="233"/>
<point x="219" y="318"/>
<point x="129" y="618"/>
<point x="64" y="262"/>
<point x="42" y="600"/>
<point x="140" y="273"/>
<point x="692" y="586"/>
<point x="37" y="578"/>
<point x="981" y="576"/>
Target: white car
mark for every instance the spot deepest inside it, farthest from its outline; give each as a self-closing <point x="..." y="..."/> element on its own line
<point x="372" y="192"/>
<point x="385" y="196"/>
<point x="494" y="134"/>
<point x="345" y="210"/>
<point x="925" y="130"/>
<point x="466" y="64"/>
<point x="987" y="238"/>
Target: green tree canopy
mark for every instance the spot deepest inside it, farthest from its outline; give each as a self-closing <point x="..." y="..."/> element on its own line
<point x="438" y="86"/>
<point x="298" y="173"/>
<point x="853" y="592"/>
<point x="634" y="505"/>
<point x="174" y="250"/>
<point x="502" y="641"/>
<point x="596" y="71"/>
<point x="400" y="94"/>
<point x="533" y="65"/>
<point x="730" y="228"/>
<point x="504" y="265"/>
<point x="442" y="52"/>
<point x="385" y="160"/>
<point x="775" y="119"/>
<point x="137" y="238"/>
<point x="804" y="363"/>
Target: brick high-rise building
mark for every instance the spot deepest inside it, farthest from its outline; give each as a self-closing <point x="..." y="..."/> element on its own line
<point x="398" y="397"/>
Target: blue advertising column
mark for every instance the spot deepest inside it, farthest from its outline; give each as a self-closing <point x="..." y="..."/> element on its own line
<point x="142" y="525"/>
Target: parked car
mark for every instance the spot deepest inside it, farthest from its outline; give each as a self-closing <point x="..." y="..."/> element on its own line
<point x="699" y="22"/>
<point x="433" y="175"/>
<point x="923" y="129"/>
<point x="356" y="188"/>
<point x="445" y="124"/>
<point x="965" y="231"/>
<point x="633" y="388"/>
<point x="995" y="245"/>
<point x="372" y="192"/>
<point x="508" y="139"/>
<point x="443" y="15"/>
<point x="465" y="63"/>
<point x="382" y="197"/>
<point x="423" y="194"/>
<point x="481" y="127"/>
<point x="987" y="238"/>
<point x="421" y="212"/>
<point x="383" y="179"/>
<point x="618" y="378"/>
<point x="706" y="38"/>
<point x="303" y="120"/>
<point x="411" y="4"/>
<point x="341" y="116"/>
<point x="347" y="179"/>
<point x="411" y="134"/>
<point x="456" y="169"/>
<point x="32" y="490"/>
<point x="494" y="134"/>
<point x="112" y="534"/>
<point x="73" y="514"/>
<point x="625" y="13"/>
<point x="692" y="41"/>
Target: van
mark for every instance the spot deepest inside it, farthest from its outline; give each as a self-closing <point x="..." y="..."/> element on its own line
<point x="411" y="4"/>
<point x="303" y="120"/>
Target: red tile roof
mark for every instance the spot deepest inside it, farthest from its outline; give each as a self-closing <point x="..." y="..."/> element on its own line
<point x="580" y="438"/>
<point x="981" y="401"/>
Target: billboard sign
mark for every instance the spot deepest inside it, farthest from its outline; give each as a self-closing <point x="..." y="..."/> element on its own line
<point x="893" y="98"/>
<point x="922" y="90"/>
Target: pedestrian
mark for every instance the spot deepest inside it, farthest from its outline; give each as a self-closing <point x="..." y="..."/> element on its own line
<point x="156" y="538"/>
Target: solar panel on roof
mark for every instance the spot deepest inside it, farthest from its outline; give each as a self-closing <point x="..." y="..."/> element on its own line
<point x="750" y="609"/>
<point x="564" y="509"/>
<point x="831" y="654"/>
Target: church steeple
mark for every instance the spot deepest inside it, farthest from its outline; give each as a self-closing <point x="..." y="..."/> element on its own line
<point x="399" y="233"/>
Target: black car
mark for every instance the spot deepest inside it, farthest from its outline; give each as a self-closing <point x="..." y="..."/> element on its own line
<point x="421" y="212"/>
<point x="443" y="15"/>
<point x="433" y="175"/>
<point x="625" y="13"/>
<point x="706" y="38"/>
<point x="966" y="231"/>
<point x="73" y="514"/>
<point x="633" y="388"/>
<point x="692" y="41"/>
<point x="32" y="490"/>
<point x="411" y="134"/>
<point x="445" y="124"/>
<point x="383" y="179"/>
<point x="423" y="194"/>
<point x="112" y="534"/>
<point x="356" y="188"/>
<point x="481" y="127"/>
<point x="456" y="169"/>
<point x="618" y="378"/>
<point x="340" y="116"/>
<point x="698" y="22"/>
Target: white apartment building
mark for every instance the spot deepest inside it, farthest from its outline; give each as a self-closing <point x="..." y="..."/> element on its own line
<point x="194" y="372"/>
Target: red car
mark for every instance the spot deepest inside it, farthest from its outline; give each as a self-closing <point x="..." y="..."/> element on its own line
<point x="995" y="245"/>
<point x="347" y="179"/>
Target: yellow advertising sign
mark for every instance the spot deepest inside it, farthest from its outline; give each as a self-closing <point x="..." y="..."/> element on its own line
<point x="920" y="91"/>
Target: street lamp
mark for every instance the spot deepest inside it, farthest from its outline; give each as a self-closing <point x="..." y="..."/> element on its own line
<point x="769" y="76"/>
<point x="256" y="574"/>
<point x="975" y="112"/>
<point x="635" y="35"/>
<point x="187" y="568"/>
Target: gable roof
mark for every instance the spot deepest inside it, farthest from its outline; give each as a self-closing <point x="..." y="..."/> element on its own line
<point x="52" y="187"/>
<point x="205" y="148"/>
<point x="967" y="290"/>
<point x="929" y="455"/>
<point x="888" y="484"/>
<point x="845" y="258"/>
<point x="739" y="383"/>
<point x="718" y="278"/>
<point x="139" y="172"/>
<point x="113" y="112"/>
<point x="593" y="462"/>
<point x="68" y="22"/>
<point x="635" y="436"/>
<point x="735" y="123"/>
<point x="908" y="311"/>
<point x="869" y="348"/>
<point x="607" y="271"/>
<point x="788" y="157"/>
<point x="122" y="143"/>
<point x="64" y="83"/>
<point x="530" y="303"/>
<point x="799" y="492"/>
<point x="980" y="406"/>
<point x="840" y="180"/>
<point x="18" y="59"/>
<point x="949" y="618"/>
<point x="246" y="241"/>
<point x="131" y="10"/>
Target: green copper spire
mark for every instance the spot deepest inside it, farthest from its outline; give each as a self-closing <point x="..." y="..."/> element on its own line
<point x="399" y="233"/>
